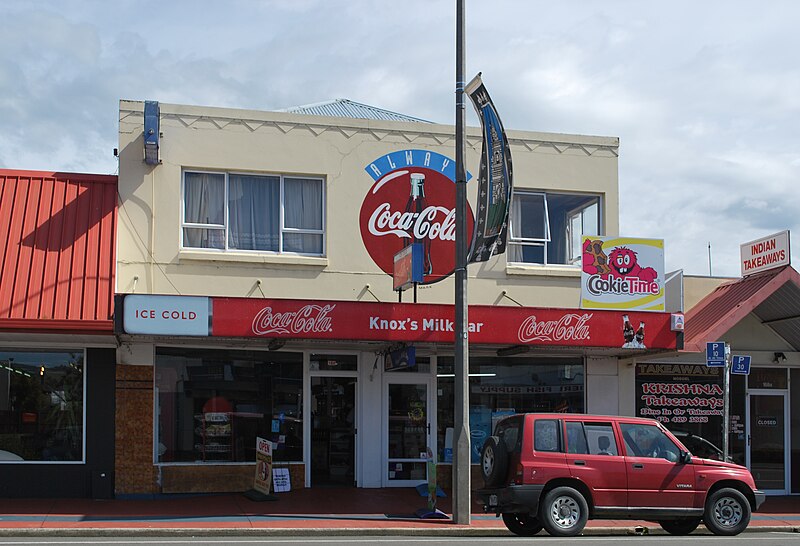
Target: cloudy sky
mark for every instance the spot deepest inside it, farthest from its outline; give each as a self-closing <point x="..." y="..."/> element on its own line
<point x="704" y="96"/>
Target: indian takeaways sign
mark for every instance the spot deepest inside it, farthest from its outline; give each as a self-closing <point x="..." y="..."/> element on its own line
<point x="374" y="321"/>
<point x="765" y="253"/>
<point x="622" y="273"/>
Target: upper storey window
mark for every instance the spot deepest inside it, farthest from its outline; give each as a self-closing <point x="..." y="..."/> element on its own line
<point x="234" y="211"/>
<point x="546" y="228"/>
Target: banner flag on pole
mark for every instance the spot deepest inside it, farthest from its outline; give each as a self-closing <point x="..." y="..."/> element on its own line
<point x="495" y="179"/>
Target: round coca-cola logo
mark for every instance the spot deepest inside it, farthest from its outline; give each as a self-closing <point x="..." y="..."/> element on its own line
<point x="413" y="200"/>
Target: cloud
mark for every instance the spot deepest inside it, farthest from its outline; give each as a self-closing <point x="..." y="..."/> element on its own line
<point x="702" y="95"/>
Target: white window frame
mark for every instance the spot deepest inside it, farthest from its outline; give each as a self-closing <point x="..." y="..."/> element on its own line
<point x="579" y="212"/>
<point x="548" y="239"/>
<point x="283" y="230"/>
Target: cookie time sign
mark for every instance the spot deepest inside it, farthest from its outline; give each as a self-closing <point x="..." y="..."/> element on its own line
<point x="766" y="253"/>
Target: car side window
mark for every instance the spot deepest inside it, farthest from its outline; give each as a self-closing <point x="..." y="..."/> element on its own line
<point x="545" y="435"/>
<point x="648" y="441"/>
<point x="576" y="438"/>
<point x="600" y="439"/>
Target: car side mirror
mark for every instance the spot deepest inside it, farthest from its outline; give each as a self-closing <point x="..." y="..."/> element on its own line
<point x="685" y="457"/>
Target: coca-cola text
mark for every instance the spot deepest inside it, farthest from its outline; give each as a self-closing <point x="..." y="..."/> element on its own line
<point x="310" y="318"/>
<point x="571" y="326"/>
<point x="418" y="225"/>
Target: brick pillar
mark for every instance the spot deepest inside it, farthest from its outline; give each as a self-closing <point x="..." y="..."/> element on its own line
<point x="135" y="471"/>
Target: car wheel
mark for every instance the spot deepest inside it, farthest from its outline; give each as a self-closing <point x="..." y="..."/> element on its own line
<point x="524" y="525"/>
<point x="564" y="512"/>
<point x="680" y="526"/>
<point x="494" y="461"/>
<point x="727" y="512"/>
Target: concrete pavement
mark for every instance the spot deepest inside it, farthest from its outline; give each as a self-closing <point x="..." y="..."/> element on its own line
<point x="299" y="512"/>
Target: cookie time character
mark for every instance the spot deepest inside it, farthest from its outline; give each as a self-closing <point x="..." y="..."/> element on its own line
<point x="624" y="264"/>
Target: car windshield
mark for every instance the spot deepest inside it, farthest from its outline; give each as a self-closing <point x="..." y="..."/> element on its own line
<point x="700" y="447"/>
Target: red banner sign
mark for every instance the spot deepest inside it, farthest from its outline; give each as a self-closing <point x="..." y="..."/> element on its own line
<point x="348" y="320"/>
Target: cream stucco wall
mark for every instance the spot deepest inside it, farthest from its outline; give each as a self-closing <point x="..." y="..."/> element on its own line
<point x="150" y="259"/>
<point x="695" y="288"/>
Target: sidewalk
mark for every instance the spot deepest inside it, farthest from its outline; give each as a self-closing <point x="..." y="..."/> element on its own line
<point x="299" y="512"/>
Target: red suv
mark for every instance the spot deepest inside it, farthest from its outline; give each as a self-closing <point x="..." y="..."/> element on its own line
<point x="555" y="471"/>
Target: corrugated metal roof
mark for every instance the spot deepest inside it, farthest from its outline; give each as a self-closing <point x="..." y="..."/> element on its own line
<point x="344" y="108"/>
<point x="58" y="259"/>
<point x="773" y="296"/>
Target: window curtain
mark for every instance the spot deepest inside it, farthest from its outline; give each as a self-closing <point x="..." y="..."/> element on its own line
<point x="204" y="197"/>
<point x="303" y="210"/>
<point x="254" y="212"/>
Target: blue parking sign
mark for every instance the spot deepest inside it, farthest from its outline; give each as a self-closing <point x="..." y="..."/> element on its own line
<point x="740" y="364"/>
<point x="715" y="354"/>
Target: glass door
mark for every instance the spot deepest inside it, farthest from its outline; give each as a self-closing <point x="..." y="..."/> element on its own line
<point x="333" y="433"/>
<point x="407" y="429"/>
<point x="766" y="441"/>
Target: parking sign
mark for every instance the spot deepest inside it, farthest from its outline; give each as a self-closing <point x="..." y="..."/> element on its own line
<point x="715" y="354"/>
<point x="740" y="364"/>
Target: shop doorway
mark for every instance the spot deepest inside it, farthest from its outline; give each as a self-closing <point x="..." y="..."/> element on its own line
<point x="767" y="438"/>
<point x="333" y="430"/>
<point x="409" y="418"/>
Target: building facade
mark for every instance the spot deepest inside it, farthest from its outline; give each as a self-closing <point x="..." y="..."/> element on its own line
<point x="758" y="317"/>
<point x="57" y="345"/>
<point x="256" y="295"/>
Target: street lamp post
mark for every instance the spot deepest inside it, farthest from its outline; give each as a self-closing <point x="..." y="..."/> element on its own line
<point x="461" y="451"/>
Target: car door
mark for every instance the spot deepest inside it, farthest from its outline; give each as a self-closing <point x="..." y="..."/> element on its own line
<point x="656" y="478"/>
<point x="593" y="456"/>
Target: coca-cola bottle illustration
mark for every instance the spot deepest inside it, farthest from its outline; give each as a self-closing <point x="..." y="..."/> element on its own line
<point x="416" y="205"/>
<point x="627" y="330"/>
<point x="640" y="335"/>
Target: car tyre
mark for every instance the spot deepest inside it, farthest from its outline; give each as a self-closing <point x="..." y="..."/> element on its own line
<point x="680" y="526"/>
<point x="564" y="512"/>
<point x="524" y="525"/>
<point x="727" y="512"/>
<point x="494" y="461"/>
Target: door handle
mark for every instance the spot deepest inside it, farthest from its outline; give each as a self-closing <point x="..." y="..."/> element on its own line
<point x="638" y="465"/>
<point x="580" y="463"/>
<point x="748" y="439"/>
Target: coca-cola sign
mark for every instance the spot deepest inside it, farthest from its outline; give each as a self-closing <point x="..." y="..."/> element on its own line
<point x="307" y="319"/>
<point x="570" y="327"/>
<point x="413" y="199"/>
<point x="431" y="323"/>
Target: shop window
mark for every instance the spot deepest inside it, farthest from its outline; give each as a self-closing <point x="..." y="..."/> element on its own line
<point x="688" y="400"/>
<point x="502" y="386"/>
<point x="41" y="406"/>
<point x="272" y="213"/>
<point x="546" y="228"/>
<point x="333" y="363"/>
<point x="213" y="404"/>
<point x="767" y="378"/>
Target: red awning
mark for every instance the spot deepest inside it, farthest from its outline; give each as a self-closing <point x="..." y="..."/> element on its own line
<point x="58" y="258"/>
<point x="773" y="296"/>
